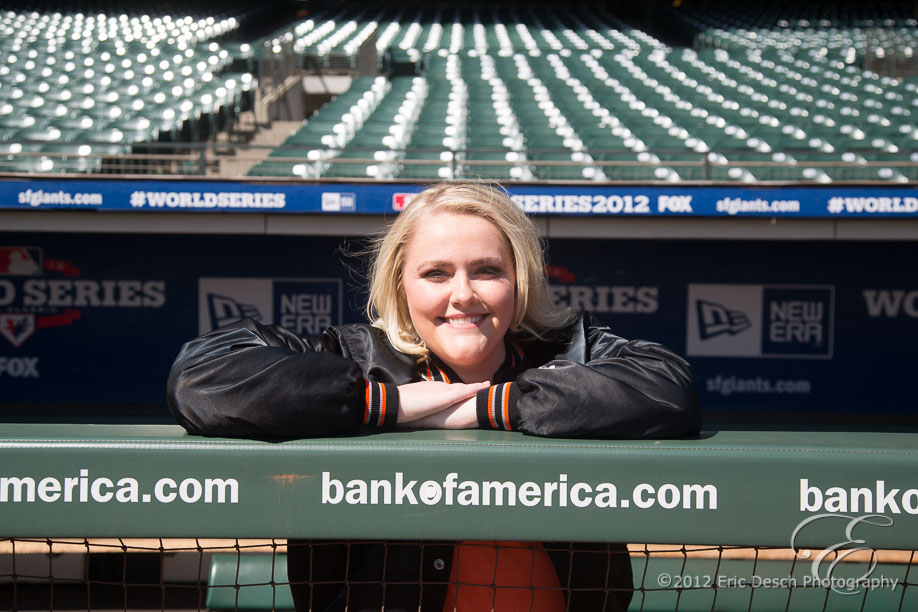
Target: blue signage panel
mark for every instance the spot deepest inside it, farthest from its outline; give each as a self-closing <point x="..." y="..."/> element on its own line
<point x="767" y="326"/>
<point x="817" y="201"/>
<point x="99" y="318"/>
<point x="778" y="327"/>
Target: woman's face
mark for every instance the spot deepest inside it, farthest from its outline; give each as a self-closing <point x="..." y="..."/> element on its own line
<point x="459" y="283"/>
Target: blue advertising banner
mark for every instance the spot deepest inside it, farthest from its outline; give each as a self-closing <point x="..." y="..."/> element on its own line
<point x="817" y="201"/>
<point x="99" y="318"/>
<point x="769" y="327"/>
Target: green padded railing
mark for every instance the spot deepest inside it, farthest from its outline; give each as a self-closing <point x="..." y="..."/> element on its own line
<point x="724" y="487"/>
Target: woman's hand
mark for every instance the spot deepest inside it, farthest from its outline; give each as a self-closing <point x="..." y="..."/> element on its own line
<point x="452" y="404"/>
<point x="461" y="415"/>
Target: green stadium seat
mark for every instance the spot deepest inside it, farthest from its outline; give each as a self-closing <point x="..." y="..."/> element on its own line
<point x="248" y="582"/>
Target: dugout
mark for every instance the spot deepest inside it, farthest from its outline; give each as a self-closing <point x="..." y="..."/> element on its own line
<point x="99" y="283"/>
<point x="793" y="317"/>
<point x="789" y="286"/>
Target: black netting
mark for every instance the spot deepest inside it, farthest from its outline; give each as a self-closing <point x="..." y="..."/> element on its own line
<point x="195" y="574"/>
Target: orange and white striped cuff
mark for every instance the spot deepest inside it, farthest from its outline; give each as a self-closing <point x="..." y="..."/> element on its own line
<point x="381" y="404"/>
<point x="496" y="406"/>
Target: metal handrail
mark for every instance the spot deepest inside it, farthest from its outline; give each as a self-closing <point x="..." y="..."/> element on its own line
<point x="234" y="160"/>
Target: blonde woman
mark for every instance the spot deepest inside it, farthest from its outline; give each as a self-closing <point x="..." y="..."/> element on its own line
<point x="463" y="334"/>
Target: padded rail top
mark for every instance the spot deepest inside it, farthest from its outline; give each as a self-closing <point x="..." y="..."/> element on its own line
<point x="723" y="487"/>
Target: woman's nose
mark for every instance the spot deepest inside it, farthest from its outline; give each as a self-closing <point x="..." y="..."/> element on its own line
<point x="463" y="292"/>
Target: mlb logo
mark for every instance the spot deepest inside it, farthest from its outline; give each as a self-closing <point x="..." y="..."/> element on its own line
<point x="401" y="200"/>
<point x="17" y="327"/>
<point x="20" y="261"/>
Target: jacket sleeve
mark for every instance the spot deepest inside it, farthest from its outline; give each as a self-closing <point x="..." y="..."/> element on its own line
<point x="600" y="386"/>
<point x="251" y="380"/>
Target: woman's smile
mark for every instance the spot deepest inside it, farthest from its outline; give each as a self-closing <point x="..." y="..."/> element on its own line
<point x="462" y="321"/>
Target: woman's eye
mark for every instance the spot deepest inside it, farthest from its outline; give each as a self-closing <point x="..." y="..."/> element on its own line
<point x="434" y="275"/>
<point x="488" y="272"/>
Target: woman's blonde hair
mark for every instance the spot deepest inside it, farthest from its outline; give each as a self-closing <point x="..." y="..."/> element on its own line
<point x="534" y="314"/>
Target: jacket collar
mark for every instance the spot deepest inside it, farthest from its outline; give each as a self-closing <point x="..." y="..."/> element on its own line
<point x="514" y="358"/>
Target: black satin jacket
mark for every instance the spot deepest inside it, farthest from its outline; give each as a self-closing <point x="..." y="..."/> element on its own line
<point x="253" y="381"/>
<point x="256" y="381"/>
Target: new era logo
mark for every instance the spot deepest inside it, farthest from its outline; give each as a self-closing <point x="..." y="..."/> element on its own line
<point x="715" y="319"/>
<point x="305" y="306"/>
<point x="774" y="321"/>
<point x="224" y="310"/>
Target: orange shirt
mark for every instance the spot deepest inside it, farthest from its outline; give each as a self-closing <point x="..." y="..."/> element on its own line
<point x="504" y="576"/>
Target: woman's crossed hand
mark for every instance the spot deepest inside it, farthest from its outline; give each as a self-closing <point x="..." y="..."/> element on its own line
<point x="438" y="405"/>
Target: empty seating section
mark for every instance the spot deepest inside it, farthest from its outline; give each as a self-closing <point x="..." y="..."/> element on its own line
<point x="519" y="93"/>
<point x="510" y="92"/>
<point x="74" y="86"/>
<point x="807" y="83"/>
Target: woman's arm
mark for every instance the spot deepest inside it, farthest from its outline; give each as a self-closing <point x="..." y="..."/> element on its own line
<point x="600" y="386"/>
<point x="253" y="380"/>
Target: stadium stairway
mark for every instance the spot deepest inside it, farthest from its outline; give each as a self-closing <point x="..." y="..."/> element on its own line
<point x="264" y="141"/>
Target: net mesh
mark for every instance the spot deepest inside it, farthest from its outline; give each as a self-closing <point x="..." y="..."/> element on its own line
<point x="199" y="574"/>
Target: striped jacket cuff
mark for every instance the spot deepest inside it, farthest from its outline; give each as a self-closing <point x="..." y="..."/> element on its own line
<point x="381" y="404"/>
<point x="496" y="407"/>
